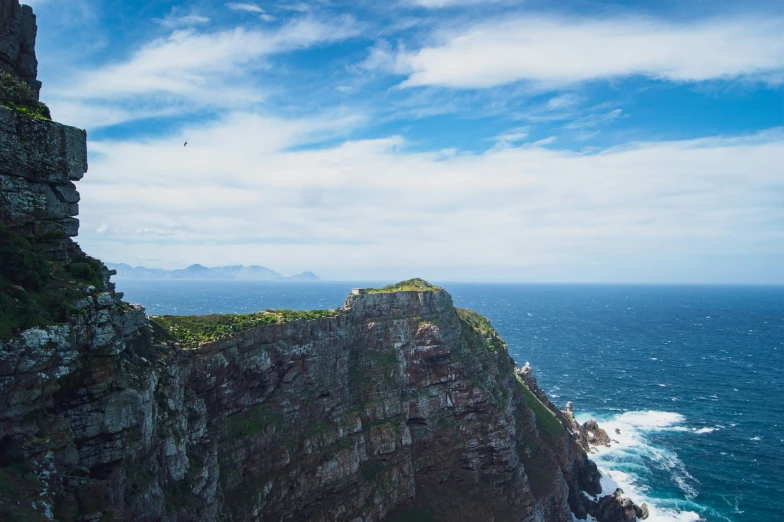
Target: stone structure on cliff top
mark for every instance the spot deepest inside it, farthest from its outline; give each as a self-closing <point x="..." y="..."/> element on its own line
<point x="398" y="405"/>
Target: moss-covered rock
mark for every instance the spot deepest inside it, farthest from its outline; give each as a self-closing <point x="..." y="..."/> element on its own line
<point x="17" y="95"/>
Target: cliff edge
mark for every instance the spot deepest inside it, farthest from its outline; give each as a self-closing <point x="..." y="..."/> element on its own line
<point x="397" y="406"/>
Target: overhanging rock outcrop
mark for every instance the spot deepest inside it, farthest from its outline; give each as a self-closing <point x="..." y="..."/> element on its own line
<point x="39" y="161"/>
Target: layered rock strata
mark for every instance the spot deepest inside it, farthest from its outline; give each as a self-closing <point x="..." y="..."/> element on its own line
<point x="18" y="32"/>
<point x="397" y="406"/>
<point x="39" y="161"/>
<point x="399" y="403"/>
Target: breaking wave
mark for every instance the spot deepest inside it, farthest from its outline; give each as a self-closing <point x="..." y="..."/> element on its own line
<point x="633" y="459"/>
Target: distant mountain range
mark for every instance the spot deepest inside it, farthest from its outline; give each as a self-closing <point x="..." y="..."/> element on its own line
<point x="220" y="273"/>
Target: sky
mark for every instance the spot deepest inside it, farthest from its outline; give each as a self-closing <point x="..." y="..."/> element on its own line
<point x="455" y="140"/>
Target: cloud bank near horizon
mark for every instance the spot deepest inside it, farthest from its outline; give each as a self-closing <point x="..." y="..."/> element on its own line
<point x="239" y="194"/>
<point x="449" y="139"/>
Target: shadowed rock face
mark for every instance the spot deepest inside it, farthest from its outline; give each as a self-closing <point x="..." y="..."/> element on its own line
<point x="400" y="403"/>
<point x="17" y="42"/>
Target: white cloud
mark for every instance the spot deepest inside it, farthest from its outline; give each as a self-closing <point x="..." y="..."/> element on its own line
<point x="173" y="21"/>
<point x="247" y="7"/>
<point x="439" y="4"/>
<point x="512" y="136"/>
<point x="239" y="194"/>
<point x="188" y="70"/>
<point x="594" y="120"/>
<point x="550" y="52"/>
<point x="381" y="57"/>
<point x="564" y="101"/>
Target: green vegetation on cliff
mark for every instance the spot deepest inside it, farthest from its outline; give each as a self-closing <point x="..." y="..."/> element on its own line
<point x="480" y="330"/>
<point x="17" y="95"/>
<point x="35" y="291"/>
<point x="546" y="421"/>
<point x="480" y="343"/>
<point x="410" y="285"/>
<point x="194" y="330"/>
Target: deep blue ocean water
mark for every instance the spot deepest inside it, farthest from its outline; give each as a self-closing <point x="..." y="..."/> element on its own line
<point x="692" y="376"/>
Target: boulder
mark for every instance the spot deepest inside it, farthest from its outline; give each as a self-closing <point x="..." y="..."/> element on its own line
<point x="595" y="435"/>
<point x="615" y="508"/>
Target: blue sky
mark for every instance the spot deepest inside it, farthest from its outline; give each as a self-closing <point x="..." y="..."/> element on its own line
<point x="447" y="139"/>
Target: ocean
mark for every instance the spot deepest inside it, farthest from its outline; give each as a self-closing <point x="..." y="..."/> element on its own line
<point x="691" y="376"/>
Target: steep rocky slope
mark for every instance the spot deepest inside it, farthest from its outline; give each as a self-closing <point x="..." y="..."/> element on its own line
<point x="396" y="407"/>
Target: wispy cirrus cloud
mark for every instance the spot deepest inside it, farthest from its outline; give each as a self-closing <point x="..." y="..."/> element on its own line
<point x="174" y="20"/>
<point x="564" y="101"/>
<point x="552" y="52"/>
<point x="440" y="4"/>
<point x="247" y="7"/>
<point x="190" y="69"/>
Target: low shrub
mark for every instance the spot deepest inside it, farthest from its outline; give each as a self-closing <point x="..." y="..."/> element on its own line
<point x="35" y="292"/>
<point x="17" y="95"/>
<point x="20" y="264"/>
<point x="194" y="330"/>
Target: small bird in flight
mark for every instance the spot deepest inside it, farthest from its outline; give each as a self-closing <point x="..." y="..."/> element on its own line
<point x="186" y="144"/>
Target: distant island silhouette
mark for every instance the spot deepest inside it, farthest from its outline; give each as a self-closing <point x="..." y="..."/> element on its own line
<point x="220" y="273"/>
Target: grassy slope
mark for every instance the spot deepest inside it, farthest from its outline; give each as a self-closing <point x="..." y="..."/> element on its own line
<point x="411" y="285"/>
<point x="481" y="328"/>
<point x="193" y="330"/>
<point x="546" y="421"/>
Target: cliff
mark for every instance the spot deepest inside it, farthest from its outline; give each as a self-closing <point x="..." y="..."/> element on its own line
<point x="395" y="407"/>
<point x="398" y="403"/>
<point x="18" y="32"/>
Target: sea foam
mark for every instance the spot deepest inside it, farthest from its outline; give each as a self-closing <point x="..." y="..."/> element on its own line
<point x="626" y="463"/>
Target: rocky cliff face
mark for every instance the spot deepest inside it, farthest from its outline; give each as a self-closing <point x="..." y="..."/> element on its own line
<point x="39" y="161"/>
<point x="395" y="407"/>
<point x="399" y="404"/>
<point x="18" y="31"/>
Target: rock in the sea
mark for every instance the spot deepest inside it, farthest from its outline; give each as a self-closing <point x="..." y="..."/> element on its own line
<point x="616" y="508"/>
<point x="595" y="435"/>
